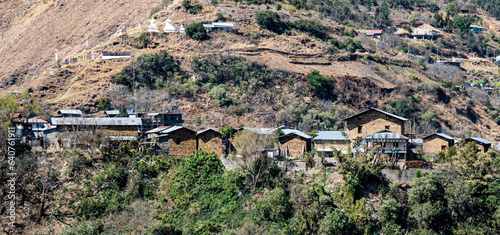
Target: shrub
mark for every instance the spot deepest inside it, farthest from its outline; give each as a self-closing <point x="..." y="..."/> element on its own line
<point x="219" y="94"/>
<point x="196" y="31"/>
<point x="336" y="222"/>
<point x="279" y="6"/>
<point x="151" y="70"/>
<point x="270" y="20"/>
<point x="220" y="16"/>
<point x="321" y="85"/>
<point x="311" y="27"/>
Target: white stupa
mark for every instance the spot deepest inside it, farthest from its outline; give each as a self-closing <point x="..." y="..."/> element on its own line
<point x="169" y="26"/>
<point x="152" y="26"/>
<point x="181" y="29"/>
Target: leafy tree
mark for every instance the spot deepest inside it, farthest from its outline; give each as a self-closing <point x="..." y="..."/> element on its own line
<point x="403" y="107"/>
<point x="336" y="222"/>
<point x="103" y="104"/>
<point x="150" y="70"/>
<point x="30" y="105"/>
<point x="196" y="31"/>
<point x="321" y="85"/>
<point x="311" y="27"/>
<point x="426" y="201"/>
<point x="270" y="20"/>
<point x="276" y="207"/>
<point x="382" y="14"/>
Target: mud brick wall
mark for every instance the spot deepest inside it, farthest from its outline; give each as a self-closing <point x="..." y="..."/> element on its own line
<point x="342" y="145"/>
<point x="295" y="145"/>
<point x="187" y="143"/>
<point x="210" y="141"/>
<point x="433" y="144"/>
<point x="372" y="122"/>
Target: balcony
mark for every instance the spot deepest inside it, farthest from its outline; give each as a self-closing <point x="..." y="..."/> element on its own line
<point x="388" y="149"/>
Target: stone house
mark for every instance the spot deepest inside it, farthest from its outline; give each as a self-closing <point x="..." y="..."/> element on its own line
<point x="372" y="121"/>
<point x="328" y="141"/>
<point x="481" y="143"/>
<point x="175" y="141"/>
<point x="209" y="140"/>
<point x="434" y="143"/>
<point x="294" y="144"/>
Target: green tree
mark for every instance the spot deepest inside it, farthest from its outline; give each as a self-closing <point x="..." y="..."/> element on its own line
<point x="426" y="201"/>
<point x="336" y="222"/>
<point x="196" y="31"/>
<point x="270" y="20"/>
<point x="321" y="85"/>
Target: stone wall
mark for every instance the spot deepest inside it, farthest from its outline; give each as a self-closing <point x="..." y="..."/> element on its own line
<point x="372" y="122"/>
<point x="186" y="140"/>
<point x="288" y="166"/>
<point x="433" y="145"/>
<point x="342" y="145"/>
<point x="296" y="146"/>
<point x="210" y="141"/>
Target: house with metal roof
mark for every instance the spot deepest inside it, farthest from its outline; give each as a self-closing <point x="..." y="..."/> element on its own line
<point x="209" y="140"/>
<point x="172" y="140"/>
<point x="294" y="143"/>
<point x="481" y="143"/>
<point x="70" y="113"/>
<point x="387" y="142"/>
<point x="437" y="142"/>
<point x="372" y="33"/>
<point x="427" y="32"/>
<point x="218" y="27"/>
<point x="326" y="142"/>
<point x="83" y="130"/>
<point x="476" y="28"/>
<point x="372" y="121"/>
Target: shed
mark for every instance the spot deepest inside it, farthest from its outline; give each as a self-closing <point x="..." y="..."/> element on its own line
<point x="483" y="144"/>
<point x="434" y="143"/>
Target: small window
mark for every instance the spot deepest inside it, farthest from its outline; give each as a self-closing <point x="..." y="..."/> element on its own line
<point x="360" y="129"/>
<point x="443" y="147"/>
<point x="387" y="127"/>
<point x="178" y="141"/>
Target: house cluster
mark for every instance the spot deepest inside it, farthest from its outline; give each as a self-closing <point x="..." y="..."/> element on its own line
<point x="170" y="28"/>
<point x="372" y="130"/>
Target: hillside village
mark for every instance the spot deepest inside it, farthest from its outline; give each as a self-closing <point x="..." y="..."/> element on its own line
<point x="378" y="131"/>
<point x="250" y="117"/>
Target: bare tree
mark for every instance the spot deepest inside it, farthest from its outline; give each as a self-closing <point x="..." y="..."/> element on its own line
<point x="443" y="71"/>
<point x="251" y="146"/>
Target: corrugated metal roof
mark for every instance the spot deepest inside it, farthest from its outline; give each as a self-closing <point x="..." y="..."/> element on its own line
<point x="386" y="135"/>
<point x="331" y="135"/>
<point x="445" y="136"/>
<point x="158" y="129"/>
<point x="112" y="112"/>
<point x="262" y="131"/>
<point x="480" y="140"/>
<point x="298" y="133"/>
<point x="208" y="129"/>
<point x="125" y="121"/>
<point x="122" y="137"/>
<point x="70" y="111"/>
<point x="217" y="24"/>
<point x="175" y="128"/>
<point x="390" y="114"/>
